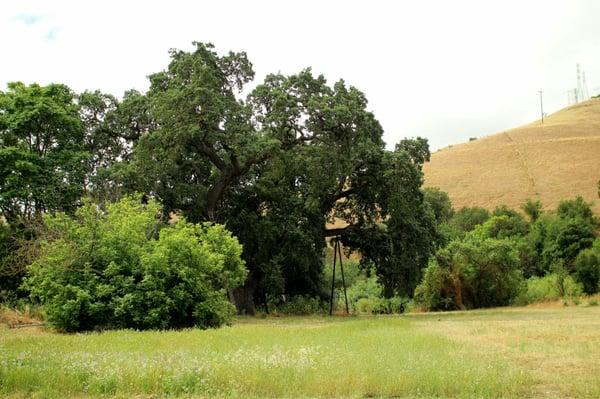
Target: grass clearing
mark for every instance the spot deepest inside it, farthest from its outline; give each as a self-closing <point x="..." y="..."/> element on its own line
<point x="284" y="357"/>
<point x="532" y="352"/>
<point x="558" y="346"/>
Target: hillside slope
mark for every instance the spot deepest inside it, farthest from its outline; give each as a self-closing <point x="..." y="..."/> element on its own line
<point x="556" y="160"/>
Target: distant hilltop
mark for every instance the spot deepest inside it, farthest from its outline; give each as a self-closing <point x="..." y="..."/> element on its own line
<point x="553" y="161"/>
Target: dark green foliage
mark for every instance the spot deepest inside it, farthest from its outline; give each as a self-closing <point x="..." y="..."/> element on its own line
<point x="399" y="247"/>
<point x="564" y="239"/>
<point x="467" y="218"/>
<point x="124" y="269"/>
<point x="530" y="250"/>
<point x="202" y="142"/>
<point x="533" y="209"/>
<point x="10" y="273"/>
<point x="299" y="305"/>
<point x="276" y="168"/>
<point x="577" y="209"/>
<point x="587" y="268"/>
<point x="554" y="240"/>
<point x="258" y="165"/>
<point x="482" y="269"/>
<point x="439" y="201"/>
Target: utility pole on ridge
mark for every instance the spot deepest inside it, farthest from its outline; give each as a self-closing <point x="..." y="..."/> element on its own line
<point x="541" y="105"/>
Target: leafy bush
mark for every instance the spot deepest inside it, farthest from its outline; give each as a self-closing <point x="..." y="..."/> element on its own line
<point x="123" y="268"/>
<point x="587" y="270"/>
<point x="366" y="296"/>
<point x="577" y="208"/>
<point x="366" y="305"/>
<point x="503" y="226"/>
<point x="432" y="293"/>
<point x="374" y="305"/>
<point x="549" y="288"/>
<point x="473" y="273"/>
<point x="467" y="218"/>
<point x="364" y="288"/>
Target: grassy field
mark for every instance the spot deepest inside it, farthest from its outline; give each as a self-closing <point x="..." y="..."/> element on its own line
<point x="530" y="352"/>
<point x="551" y="162"/>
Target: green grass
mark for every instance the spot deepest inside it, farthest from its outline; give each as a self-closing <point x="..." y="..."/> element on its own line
<point x="495" y="353"/>
<point x="354" y="357"/>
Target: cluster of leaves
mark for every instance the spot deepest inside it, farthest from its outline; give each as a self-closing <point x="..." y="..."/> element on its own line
<point x="123" y="268"/>
<point x="489" y="256"/>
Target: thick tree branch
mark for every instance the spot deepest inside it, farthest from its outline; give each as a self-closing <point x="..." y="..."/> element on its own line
<point x="338" y="231"/>
<point x="210" y="152"/>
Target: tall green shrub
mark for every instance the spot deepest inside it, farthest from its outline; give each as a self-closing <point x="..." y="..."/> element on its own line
<point x="123" y="268"/>
<point x="473" y="273"/>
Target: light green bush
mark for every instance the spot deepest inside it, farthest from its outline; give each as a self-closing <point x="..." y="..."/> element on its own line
<point x="123" y="268"/>
<point x="365" y="297"/>
<point x="550" y="288"/>
<point x="366" y="305"/>
<point x="363" y="288"/>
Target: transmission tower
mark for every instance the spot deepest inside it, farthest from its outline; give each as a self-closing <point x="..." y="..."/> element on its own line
<point x="570" y="96"/>
<point x="579" y="87"/>
<point x="585" y="93"/>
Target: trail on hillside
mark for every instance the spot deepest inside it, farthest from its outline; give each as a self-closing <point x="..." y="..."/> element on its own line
<point x="550" y="162"/>
<point x="521" y="158"/>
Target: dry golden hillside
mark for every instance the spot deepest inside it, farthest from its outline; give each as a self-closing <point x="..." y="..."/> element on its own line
<point x="556" y="160"/>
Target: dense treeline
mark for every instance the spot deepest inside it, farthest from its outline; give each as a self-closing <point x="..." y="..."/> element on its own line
<point x="506" y="257"/>
<point x="274" y="167"/>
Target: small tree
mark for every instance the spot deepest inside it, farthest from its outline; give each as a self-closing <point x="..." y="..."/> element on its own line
<point x="577" y="208"/>
<point x="587" y="269"/>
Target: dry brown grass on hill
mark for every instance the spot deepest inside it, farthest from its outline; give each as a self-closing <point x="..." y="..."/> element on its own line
<point x="553" y="161"/>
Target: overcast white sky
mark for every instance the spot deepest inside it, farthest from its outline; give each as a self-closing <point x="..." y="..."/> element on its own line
<point x="445" y="70"/>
